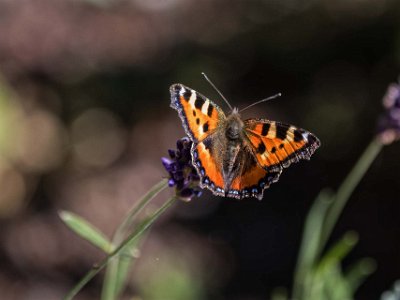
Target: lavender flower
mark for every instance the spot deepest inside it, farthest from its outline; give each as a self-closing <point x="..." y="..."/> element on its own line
<point x="389" y="123"/>
<point x="182" y="174"/>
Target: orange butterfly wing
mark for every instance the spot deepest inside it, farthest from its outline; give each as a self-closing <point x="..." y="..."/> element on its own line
<point x="251" y="181"/>
<point x="200" y="118"/>
<point x="204" y="161"/>
<point x="276" y="145"/>
<point x="199" y="115"/>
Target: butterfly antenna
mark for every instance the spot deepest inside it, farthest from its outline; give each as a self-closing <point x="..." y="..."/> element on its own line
<point x="215" y="88"/>
<point x="261" y="101"/>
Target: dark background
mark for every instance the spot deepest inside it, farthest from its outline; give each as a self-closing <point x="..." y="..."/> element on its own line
<point x="85" y="118"/>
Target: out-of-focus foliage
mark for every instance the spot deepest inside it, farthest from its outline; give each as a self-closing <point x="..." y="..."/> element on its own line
<point x="319" y="275"/>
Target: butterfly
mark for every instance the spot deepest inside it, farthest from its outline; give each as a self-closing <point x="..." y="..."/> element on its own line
<point x="234" y="157"/>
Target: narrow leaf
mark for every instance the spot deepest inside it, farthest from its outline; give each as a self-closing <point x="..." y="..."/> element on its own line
<point x="86" y="230"/>
<point x="138" y="231"/>
<point x="310" y="244"/>
<point x="357" y="273"/>
<point x="338" y="251"/>
<point x="335" y="284"/>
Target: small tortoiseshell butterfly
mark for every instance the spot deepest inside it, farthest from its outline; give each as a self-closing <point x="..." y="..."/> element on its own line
<point x="237" y="158"/>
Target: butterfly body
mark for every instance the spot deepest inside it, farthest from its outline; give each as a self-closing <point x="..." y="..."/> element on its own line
<point x="237" y="158"/>
<point x="226" y="145"/>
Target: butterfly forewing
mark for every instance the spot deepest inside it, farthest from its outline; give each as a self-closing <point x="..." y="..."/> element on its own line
<point x="200" y="116"/>
<point x="276" y="145"/>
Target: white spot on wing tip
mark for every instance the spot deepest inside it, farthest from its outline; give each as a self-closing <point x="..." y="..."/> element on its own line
<point x="192" y="99"/>
<point x="204" y="108"/>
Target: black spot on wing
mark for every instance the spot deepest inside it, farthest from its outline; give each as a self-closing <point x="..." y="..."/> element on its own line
<point x="273" y="150"/>
<point x="298" y="137"/>
<point x="198" y="103"/>
<point x="265" y="129"/>
<point x="281" y="131"/>
<point x="197" y="121"/>
<point x="186" y="95"/>
<point x="312" y="139"/>
<point x="261" y="148"/>
<point x="194" y="113"/>
<point x="205" y="127"/>
<point x="210" y="109"/>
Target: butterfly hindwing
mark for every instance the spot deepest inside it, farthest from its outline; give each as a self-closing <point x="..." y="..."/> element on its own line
<point x="250" y="179"/>
<point x="206" y="162"/>
<point x="199" y="115"/>
<point x="276" y="145"/>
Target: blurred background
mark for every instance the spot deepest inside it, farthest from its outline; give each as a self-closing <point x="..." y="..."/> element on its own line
<point x="85" y="118"/>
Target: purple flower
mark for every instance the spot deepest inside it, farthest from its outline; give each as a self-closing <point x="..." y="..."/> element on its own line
<point x="182" y="174"/>
<point x="389" y="123"/>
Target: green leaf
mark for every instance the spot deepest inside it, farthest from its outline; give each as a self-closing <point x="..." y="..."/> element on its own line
<point x="335" y="286"/>
<point x="86" y="230"/>
<point x="137" y="233"/>
<point x="357" y="273"/>
<point x="309" y="281"/>
<point x="310" y="245"/>
<point x="325" y="279"/>
<point x="336" y="253"/>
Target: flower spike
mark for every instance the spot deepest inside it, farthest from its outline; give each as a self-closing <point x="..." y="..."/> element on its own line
<point x="182" y="174"/>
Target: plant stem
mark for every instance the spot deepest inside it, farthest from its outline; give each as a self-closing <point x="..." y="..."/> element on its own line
<point x="132" y="237"/>
<point x="112" y="279"/>
<point x="137" y="208"/>
<point x="347" y="188"/>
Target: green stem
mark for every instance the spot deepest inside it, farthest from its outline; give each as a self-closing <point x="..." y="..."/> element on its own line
<point x="132" y="237"/>
<point x="322" y="218"/>
<point x="111" y="284"/>
<point x="347" y="188"/>
<point x="135" y="210"/>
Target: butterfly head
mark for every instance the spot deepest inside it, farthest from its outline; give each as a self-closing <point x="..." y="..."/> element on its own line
<point x="234" y="125"/>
